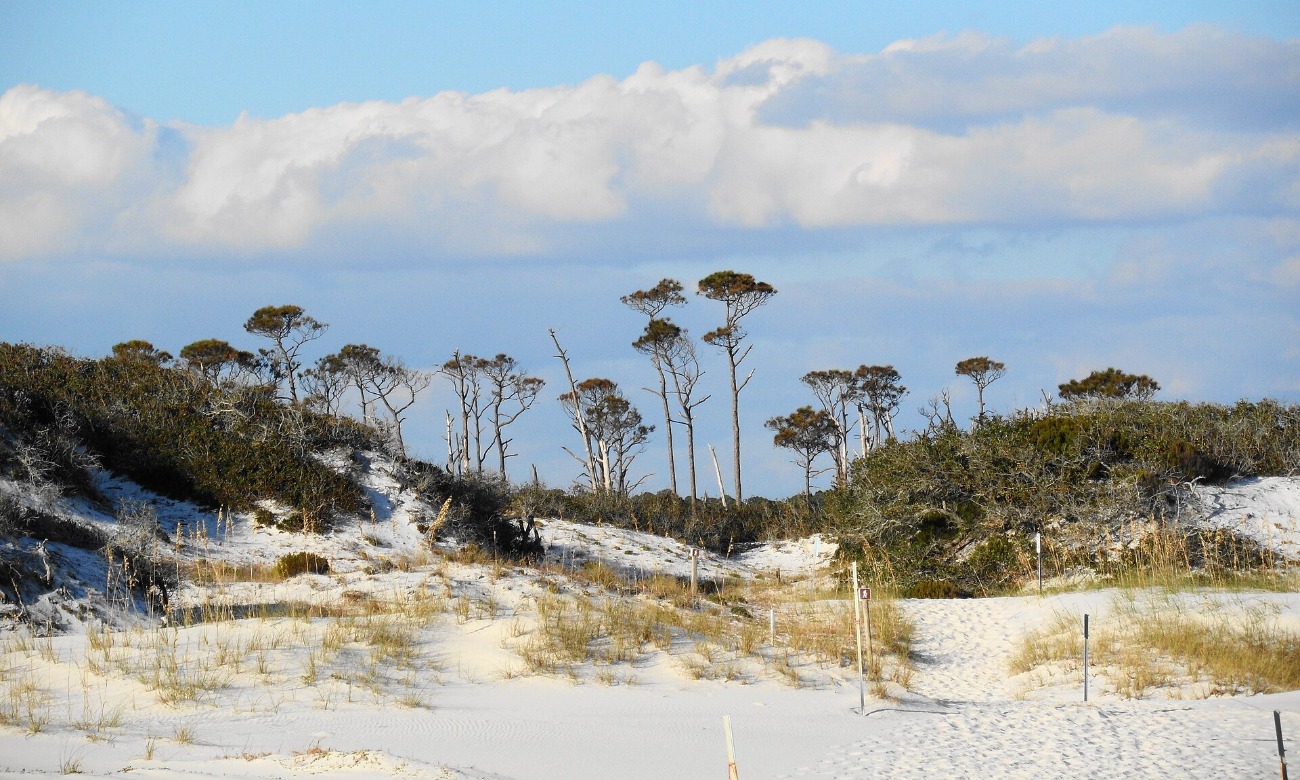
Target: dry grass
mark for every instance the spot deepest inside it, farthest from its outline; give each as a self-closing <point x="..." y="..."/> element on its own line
<point x="722" y="633"/>
<point x="1177" y="644"/>
<point x="1146" y="554"/>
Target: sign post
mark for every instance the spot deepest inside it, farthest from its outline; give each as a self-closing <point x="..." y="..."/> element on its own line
<point x="857" y="620"/>
<point x="864" y="595"/>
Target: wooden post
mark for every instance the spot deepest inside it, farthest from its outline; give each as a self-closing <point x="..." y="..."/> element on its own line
<point x="857" y="620"/>
<point x="771" y="627"/>
<point x="732" y="773"/>
<point x="695" y="570"/>
<point x="866" y="609"/>
<point x="1281" y="749"/>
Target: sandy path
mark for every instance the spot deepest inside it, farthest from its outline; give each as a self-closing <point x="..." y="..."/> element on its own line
<point x="963" y="647"/>
<point x="963" y="717"/>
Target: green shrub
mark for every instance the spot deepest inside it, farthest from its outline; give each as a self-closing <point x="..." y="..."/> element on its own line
<point x="293" y="564"/>
<point x="932" y="589"/>
<point x="960" y="505"/>
<point x="263" y="518"/>
<point x="1055" y="435"/>
<point x="171" y="431"/>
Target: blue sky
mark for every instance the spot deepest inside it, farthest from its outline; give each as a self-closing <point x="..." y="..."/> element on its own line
<point x="1063" y="187"/>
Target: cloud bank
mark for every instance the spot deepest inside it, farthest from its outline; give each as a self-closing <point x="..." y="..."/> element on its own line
<point x="1129" y="126"/>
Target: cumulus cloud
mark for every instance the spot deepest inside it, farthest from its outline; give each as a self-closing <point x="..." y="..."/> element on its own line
<point x="70" y="165"/>
<point x="1128" y="125"/>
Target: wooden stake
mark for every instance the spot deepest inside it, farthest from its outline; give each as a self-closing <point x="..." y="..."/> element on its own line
<point x="732" y="773"/>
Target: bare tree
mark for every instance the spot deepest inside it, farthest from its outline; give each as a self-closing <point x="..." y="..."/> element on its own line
<point x="938" y="419"/>
<point x="657" y="342"/>
<point x="465" y="372"/>
<point x="983" y="372"/>
<point x="288" y="328"/>
<point x="396" y="386"/>
<point x="579" y="420"/>
<point x="511" y="393"/>
<point x="741" y="294"/>
<point x="683" y="365"/>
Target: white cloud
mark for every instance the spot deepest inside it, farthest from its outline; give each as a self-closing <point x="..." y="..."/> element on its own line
<point x="68" y="164"/>
<point x="961" y="130"/>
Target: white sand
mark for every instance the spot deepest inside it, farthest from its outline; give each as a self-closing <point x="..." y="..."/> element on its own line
<point x="461" y="712"/>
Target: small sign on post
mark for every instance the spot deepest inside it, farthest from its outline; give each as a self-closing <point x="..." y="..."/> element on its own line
<point x="864" y="594"/>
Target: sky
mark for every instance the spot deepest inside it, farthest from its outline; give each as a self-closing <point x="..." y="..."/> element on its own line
<point x="1061" y="187"/>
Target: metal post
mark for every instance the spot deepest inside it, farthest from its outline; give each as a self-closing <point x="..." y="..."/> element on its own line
<point x="771" y="627"/>
<point x="857" y="619"/>
<point x="1281" y="750"/>
<point x="1085" y="657"/>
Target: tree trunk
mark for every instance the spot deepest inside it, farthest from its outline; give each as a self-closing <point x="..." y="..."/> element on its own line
<point x="578" y="418"/>
<point x="690" y="452"/>
<point x="735" y="424"/>
<point x="668" y="427"/>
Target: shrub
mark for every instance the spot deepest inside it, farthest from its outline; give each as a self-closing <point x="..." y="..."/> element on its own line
<point x="293" y="564"/>
<point x="171" y="431"/>
<point x="932" y="589"/>
<point x="477" y="509"/>
<point x="263" y="518"/>
<point x="961" y="505"/>
<point x="1055" y="435"/>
